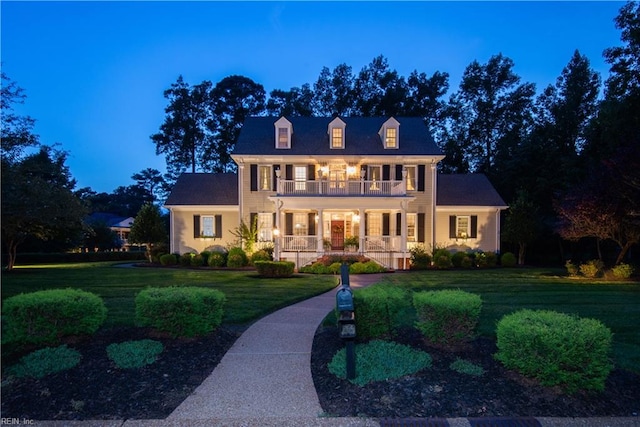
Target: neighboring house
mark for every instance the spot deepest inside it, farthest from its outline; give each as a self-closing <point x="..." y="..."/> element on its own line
<point x="313" y="183"/>
<point x="120" y="225"/>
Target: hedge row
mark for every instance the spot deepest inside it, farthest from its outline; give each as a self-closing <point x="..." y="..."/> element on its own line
<point x="76" y="257"/>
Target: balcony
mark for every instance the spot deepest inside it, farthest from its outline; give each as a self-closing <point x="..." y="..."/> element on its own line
<point x="349" y="188"/>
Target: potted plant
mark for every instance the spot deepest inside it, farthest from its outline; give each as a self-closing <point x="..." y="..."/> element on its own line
<point x="352" y="243"/>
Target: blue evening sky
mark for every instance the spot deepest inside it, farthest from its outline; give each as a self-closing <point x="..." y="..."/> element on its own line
<point x="94" y="72"/>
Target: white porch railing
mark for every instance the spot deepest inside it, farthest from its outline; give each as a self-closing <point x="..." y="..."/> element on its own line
<point x="341" y="188"/>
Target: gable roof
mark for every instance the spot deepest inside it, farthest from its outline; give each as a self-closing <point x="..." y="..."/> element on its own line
<point x="204" y="189"/>
<point x="110" y="220"/>
<point x="467" y="190"/>
<point x="310" y="137"/>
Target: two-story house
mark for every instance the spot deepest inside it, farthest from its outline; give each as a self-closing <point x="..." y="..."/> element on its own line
<point x="317" y="185"/>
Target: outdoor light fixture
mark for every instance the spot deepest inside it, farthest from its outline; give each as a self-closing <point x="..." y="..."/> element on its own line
<point x="276" y="232"/>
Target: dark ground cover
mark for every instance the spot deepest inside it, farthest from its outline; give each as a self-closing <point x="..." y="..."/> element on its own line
<point x="96" y="389"/>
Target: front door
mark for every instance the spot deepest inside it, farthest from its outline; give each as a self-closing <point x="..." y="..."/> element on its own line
<point x="337" y="235"/>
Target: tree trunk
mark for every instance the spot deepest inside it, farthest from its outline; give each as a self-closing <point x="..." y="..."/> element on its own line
<point x="599" y="249"/>
<point x="522" y="248"/>
<point x="623" y="253"/>
<point x="12" y="247"/>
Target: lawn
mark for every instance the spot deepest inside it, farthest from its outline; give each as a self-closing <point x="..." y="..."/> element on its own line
<point x="248" y="296"/>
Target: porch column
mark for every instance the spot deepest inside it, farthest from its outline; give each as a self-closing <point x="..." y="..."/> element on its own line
<point x="361" y="230"/>
<point x="320" y="242"/>
<point x="434" y="183"/>
<point x="277" y="238"/>
<point x="403" y="232"/>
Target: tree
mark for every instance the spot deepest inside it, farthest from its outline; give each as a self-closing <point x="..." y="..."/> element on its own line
<point x="148" y="228"/>
<point x="424" y="97"/>
<point x="295" y="102"/>
<point x="234" y="98"/>
<point x="16" y="131"/>
<point x="152" y="181"/>
<point x="333" y="92"/>
<point x="379" y="91"/>
<point x="521" y="224"/>
<point x="38" y="200"/>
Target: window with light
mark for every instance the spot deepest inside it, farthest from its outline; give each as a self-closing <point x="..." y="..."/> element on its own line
<point x="336" y="138"/>
<point x="283" y="138"/>
<point x="391" y="138"/>
<point x="208" y="226"/>
<point x="265" y="227"/>
<point x="265" y="177"/>
<point x="462" y="226"/>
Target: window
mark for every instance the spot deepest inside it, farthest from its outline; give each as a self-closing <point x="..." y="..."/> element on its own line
<point x="375" y="175"/>
<point x="300" y="177"/>
<point x="265" y="177"/>
<point x="284" y="130"/>
<point x="462" y="227"/>
<point x="374" y="224"/>
<point x="390" y="133"/>
<point x="411" y="228"/>
<point x="208" y="226"/>
<point x="411" y="178"/>
<point x="391" y="138"/>
<point x="300" y="226"/>
<point x="283" y="138"/>
<point x="265" y="227"/>
<point x="336" y="138"/>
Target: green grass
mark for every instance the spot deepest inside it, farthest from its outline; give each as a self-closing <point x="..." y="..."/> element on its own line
<point x="248" y="297"/>
<point x="503" y="291"/>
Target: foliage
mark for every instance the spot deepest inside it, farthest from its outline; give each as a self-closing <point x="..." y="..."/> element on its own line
<point x="352" y="241"/>
<point x="364" y="268"/>
<point x="572" y="269"/>
<point x="377" y="309"/>
<point x="622" y="271"/>
<point x="521" y="224"/>
<point x="442" y="259"/>
<point x="420" y="259"/>
<point x="217" y="259"/>
<point x="197" y="260"/>
<point x="486" y="259"/>
<point x="134" y="354"/>
<point x="38" y="202"/>
<point x="458" y="257"/>
<point x="27" y="258"/>
<point x="237" y="258"/>
<point x="275" y="268"/>
<point x="185" y="259"/>
<point x="447" y="317"/>
<point x="556" y="348"/>
<point x="16" y="131"/>
<point x="508" y="259"/>
<point x="153" y="183"/>
<point x="148" y="228"/>
<point x="46" y="316"/>
<point x="168" y="259"/>
<point x="180" y="311"/>
<point x="317" y="268"/>
<point x="261" y="255"/>
<point x="46" y="361"/>
<point x="592" y="269"/>
<point x="465" y="367"/>
<point x="380" y="360"/>
<point x="246" y="234"/>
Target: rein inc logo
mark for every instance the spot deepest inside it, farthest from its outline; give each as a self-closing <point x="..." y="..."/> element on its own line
<point x="16" y="421"/>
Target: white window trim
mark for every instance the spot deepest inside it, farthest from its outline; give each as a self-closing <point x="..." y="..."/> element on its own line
<point x="414" y="181"/>
<point x="337" y="123"/>
<point x="265" y="227"/>
<point x="463" y="234"/>
<point x="203" y="228"/>
<point x="412" y="237"/>
<point x="283" y="123"/>
<point x="391" y="123"/>
<point x="269" y="177"/>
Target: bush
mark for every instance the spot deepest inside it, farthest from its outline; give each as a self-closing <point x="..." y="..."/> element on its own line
<point x="205" y="257"/>
<point x="486" y="259"/>
<point x="365" y="268"/>
<point x="260" y="255"/>
<point x="197" y="260"/>
<point x="508" y="260"/>
<point x="185" y="259"/>
<point x="442" y="259"/>
<point x="572" y="269"/>
<point x="335" y="267"/>
<point x="134" y="354"/>
<point x="592" y="269"/>
<point x="217" y="259"/>
<point x="465" y="367"/>
<point x="46" y="361"/>
<point x="44" y="317"/>
<point x="457" y="257"/>
<point x="237" y="258"/>
<point x="447" y="317"/>
<point x="420" y="259"/>
<point x="622" y="271"/>
<point x="380" y="360"/>
<point x="316" y="268"/>
<point x="556" y="348"/>
<point x="168" y="259"/>
<point x="180" y="311"/>
<point x="377" y="310"/>
<point x="275" y="268"/>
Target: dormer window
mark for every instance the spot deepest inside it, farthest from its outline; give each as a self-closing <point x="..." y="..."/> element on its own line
<point x="390" y="134"/>
<point x="284" y="130"/>
<point x="336" y="133"/>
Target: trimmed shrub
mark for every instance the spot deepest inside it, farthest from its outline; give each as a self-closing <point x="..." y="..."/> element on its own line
<point x="465" y="367"/>
<point x="46" y="361"/>
<point x="205" y="257"/>
<point x="197" y="260"/>
<point x="592" y="269"/>
<point x="380" y="360"/>
<point x="556" y="348"/>
<point x="275" y="268"/>
<point x="508" y="260"/>
<point x="486" y="259"/>
<point x="420" y="259"/>
<point x="134" y="354"/>
<point x="442" y="259"/>
<point x="316" y="268"/>
<point x="217" y="259"/>
<point x="180" y="311"/>
<point x="461" y="260"/>
<point x="168" y="259"/>
<point x="377" y="310"/>
<point x="335" y="267"/>
<point x="622" y="271"/>
<point x="237" y="258"/>
<point x="260" y="255"/>
<point x="185" y="259"/>
<point x="572" y="269"/>
<point x="447" y="318"/>
<point x="365" y="268"/>
<point x="44" y="317"/>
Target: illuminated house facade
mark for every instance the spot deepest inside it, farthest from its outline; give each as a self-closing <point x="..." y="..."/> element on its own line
<point x="316" y="185"/>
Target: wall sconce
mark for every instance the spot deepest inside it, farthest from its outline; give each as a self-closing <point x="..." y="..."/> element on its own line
<point x="356" y="218"/>
<point x="351" y="170"/>
<point x="317" y="217"/>
<point x="276" y="232"/>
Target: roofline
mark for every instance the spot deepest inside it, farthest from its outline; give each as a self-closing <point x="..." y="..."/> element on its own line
<point x="228" y="208"/>
<point x="464" y="208"/>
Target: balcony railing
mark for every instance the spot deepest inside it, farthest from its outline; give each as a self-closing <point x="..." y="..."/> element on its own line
<point x="310" y="244"/>
<point x="287" y="187"/>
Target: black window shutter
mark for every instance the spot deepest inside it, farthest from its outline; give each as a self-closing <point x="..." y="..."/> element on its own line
<point x="421" y="227"/>
<point x="385" y="224"/>
<point x="274" y="220"/>
<point x="452" y="226"/>
<point x="366" y="171"/>
<point x="366" y="224"/>
<point x="311" y="172"/>
<point x="196" y="226"/>
<point x="311" y="224"/>
<point x="288" y="172"/>
<point x="288" y="224"/>
<point x="474" y="227"/>
<point x="386" y="172"/>
<point x="254" y="177"/>
<point x="218" y="226"/>
<point x="421" y="175"/>
<point x="398" y="224"/>
<point x="274" y="183"/>
<point x="399" y="172"/>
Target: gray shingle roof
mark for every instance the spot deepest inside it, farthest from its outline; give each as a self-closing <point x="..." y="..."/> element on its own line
<point x="204" y="189"/>
<point x="310" y="137"/>
<point x="467" y="190"/>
